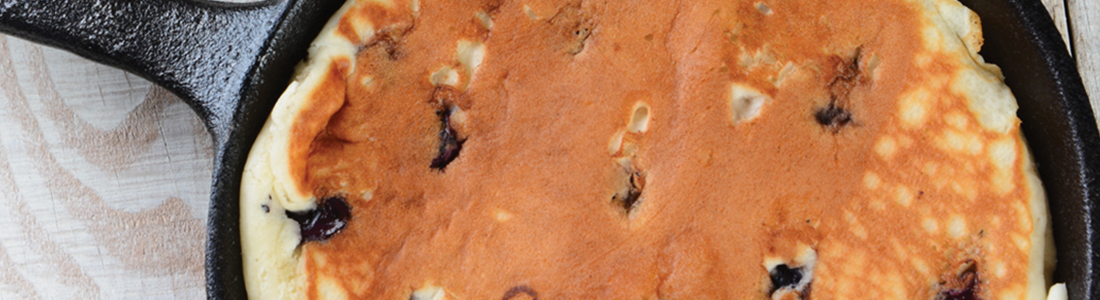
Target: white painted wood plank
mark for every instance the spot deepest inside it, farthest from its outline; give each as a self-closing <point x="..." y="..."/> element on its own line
<point x="104" y="181"/>
<point x="1057" y="10"/>
<point x="1084" y="21"/>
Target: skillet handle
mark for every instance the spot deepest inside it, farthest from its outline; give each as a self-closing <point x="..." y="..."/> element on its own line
<point x="201" y="51"/>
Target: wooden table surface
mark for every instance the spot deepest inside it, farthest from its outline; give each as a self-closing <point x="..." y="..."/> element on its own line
<point x="106" y="177"/>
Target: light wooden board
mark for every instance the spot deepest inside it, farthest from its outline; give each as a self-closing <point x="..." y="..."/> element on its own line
<point x="1057" y="11"/>
<point x="1084" y="21"/>
<point x="106" y="177"/>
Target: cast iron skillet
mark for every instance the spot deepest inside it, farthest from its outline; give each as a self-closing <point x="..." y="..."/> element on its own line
<point x="231" y="62"/>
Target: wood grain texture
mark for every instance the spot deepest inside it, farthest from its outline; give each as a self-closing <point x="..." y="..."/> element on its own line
<point x="105" y="177"/>
<point x="1057" y="11"/>
<point x="106" y="180"/>
<point x="1084" y="21"/>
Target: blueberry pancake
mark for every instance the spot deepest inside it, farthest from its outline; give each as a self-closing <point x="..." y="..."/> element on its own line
<point x="622" y="149"/>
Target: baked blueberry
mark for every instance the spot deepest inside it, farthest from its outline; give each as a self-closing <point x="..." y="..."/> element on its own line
<point x="331" y="215"/>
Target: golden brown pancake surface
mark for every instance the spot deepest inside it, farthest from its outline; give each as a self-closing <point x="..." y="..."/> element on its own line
<point x="654" y="150"/>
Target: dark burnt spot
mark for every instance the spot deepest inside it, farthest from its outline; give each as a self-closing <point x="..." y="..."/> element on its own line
<point x="266" y="208"/>
<point x="783" y="276"/>
<point x="631" y="190"/>
<point x="848" y="76"/>
<point x="387" y="42"/>
<point x="330" y="217"/>
<point x="832" y="116"/>
<point x="835" y="115"/>
<point x="966" y="294"/>
<point x="450" y="144"/>
<point x="963" y="284"/>
<point x="519" y="290"/>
